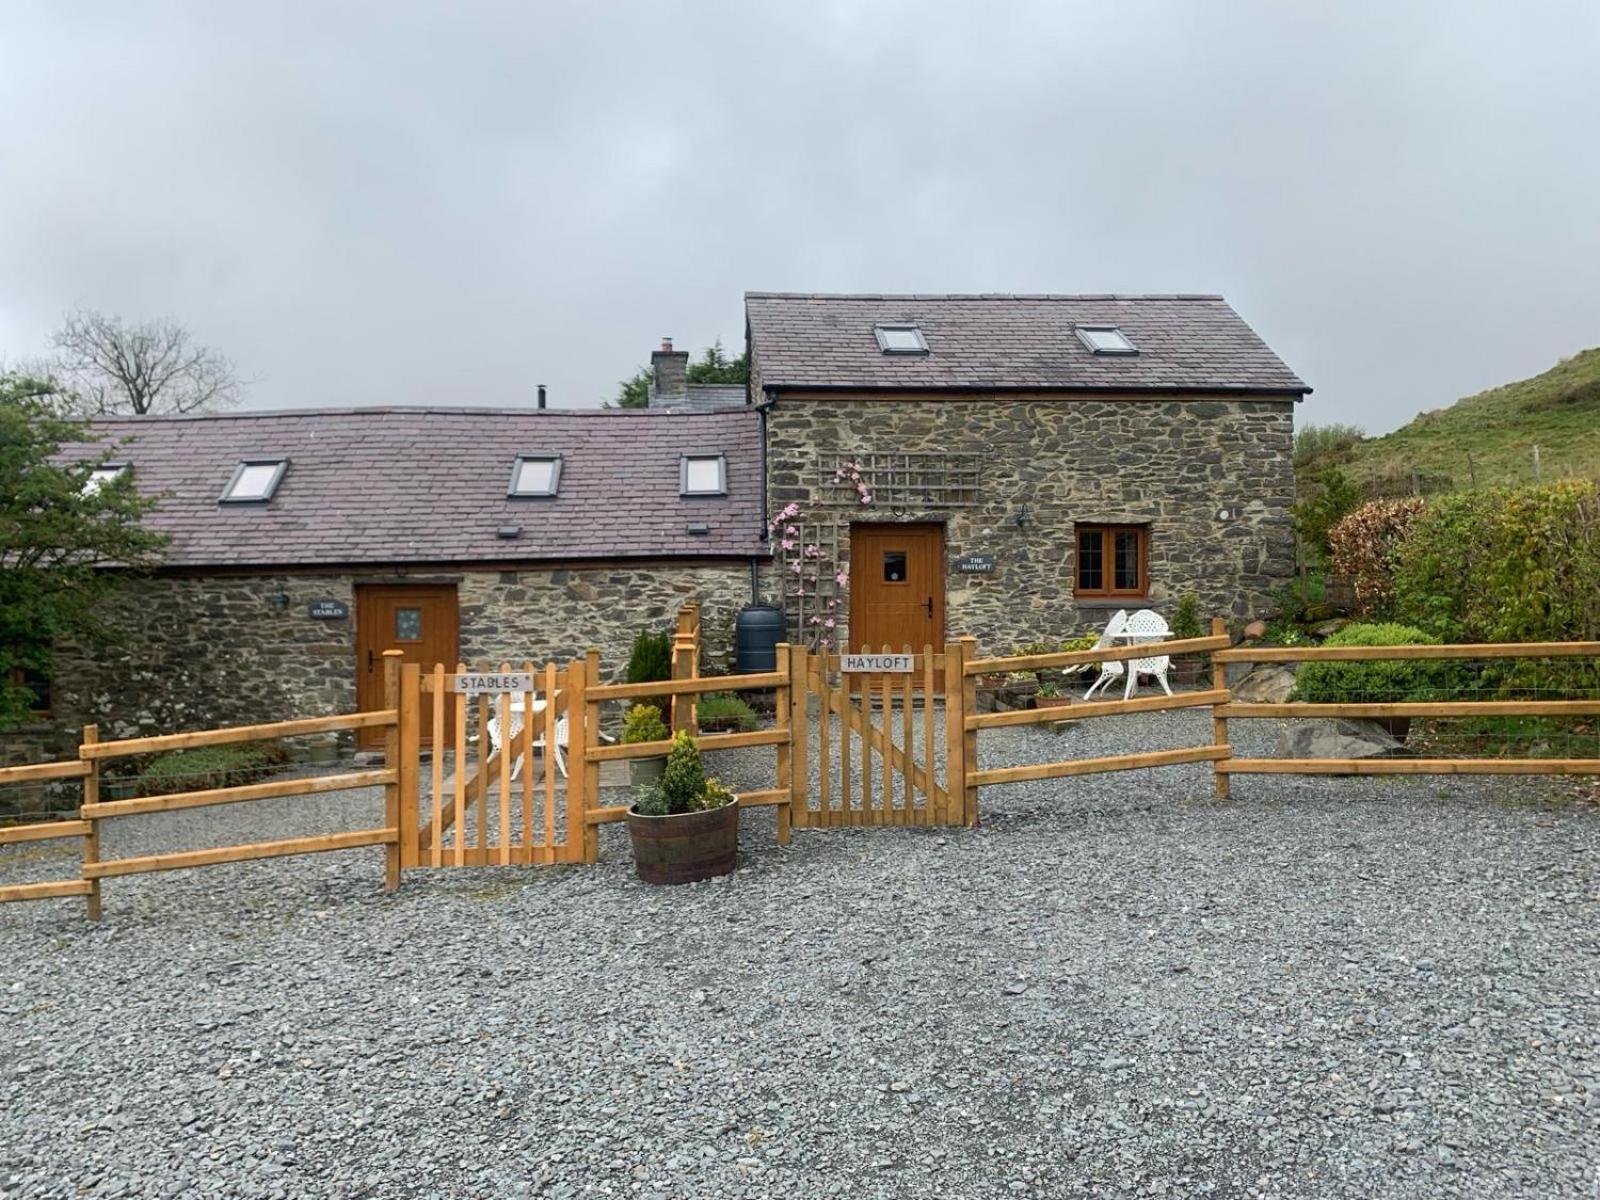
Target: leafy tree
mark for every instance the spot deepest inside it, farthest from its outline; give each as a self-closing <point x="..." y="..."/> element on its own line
<point x="634" y="392"/>
<point x="1335" y="497"/>
<point x="714" y="366"/>
<point x="60" y="528"/>
<point x="107" y="367"/>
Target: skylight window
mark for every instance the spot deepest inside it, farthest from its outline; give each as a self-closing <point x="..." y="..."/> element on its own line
<point x="103" y="474"/>
<point x="535" y="475"/>
<point x="703" y="475"/>
<point x="255" y="480"/>
<point x="900" y="339"/>
<point x="1106" y="339"/>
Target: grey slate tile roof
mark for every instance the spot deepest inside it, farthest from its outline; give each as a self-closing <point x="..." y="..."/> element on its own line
<point x="428" y="485"/>
<point x="703" y="397"/>
<point x="1185" y="343"/>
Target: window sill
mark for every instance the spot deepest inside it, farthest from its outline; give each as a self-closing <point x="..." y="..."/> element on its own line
<point x="1112" y="604"/>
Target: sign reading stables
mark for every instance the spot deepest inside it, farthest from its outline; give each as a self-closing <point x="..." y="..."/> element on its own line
<point x="491" y="683"/>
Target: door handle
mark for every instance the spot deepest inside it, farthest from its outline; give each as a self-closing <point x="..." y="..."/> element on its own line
<point x="929" y="603"/>
<point x="369" y="658"/>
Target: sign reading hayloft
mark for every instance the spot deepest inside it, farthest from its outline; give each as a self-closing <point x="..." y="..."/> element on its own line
<point x="882" y="664"/>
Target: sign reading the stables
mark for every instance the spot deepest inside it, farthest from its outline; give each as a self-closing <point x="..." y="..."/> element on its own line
<point x="883" y="664"/>
<point x="328" y="610"/>
<point x="491" y="683"/>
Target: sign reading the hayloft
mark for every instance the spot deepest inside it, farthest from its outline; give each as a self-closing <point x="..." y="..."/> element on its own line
<point x="975" y="564"/>
<point x="882" y="664"/>
<point x="328" y="610"/>
<point x="492" y="683"/>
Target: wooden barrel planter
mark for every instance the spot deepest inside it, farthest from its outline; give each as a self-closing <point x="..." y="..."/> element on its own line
<point x="685" y="847"/>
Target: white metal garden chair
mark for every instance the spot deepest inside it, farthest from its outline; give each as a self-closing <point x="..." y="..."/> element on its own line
<point x="1143" y="627"/>
<point x="557" y="752"/>
<point x="1109" y="670"/>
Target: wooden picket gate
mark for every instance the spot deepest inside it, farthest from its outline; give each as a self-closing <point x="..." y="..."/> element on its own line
<point x="487" y="817"/>
<point x="887" y="747"/>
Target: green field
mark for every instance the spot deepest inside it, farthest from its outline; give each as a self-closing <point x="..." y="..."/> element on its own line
<point x="1488" y="439"/>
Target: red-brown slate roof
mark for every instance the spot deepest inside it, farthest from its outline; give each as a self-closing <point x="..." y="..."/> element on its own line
<point x="428" y="485"/>
<point x="1185" y="343"/>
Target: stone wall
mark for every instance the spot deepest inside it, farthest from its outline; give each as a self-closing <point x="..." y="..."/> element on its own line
<point x="1212" y="478"/>
<point x="515" y="615"/>
<point x="195" y="652"/>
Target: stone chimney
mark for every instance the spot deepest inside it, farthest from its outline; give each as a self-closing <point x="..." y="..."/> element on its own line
<point x="669" y="373"/>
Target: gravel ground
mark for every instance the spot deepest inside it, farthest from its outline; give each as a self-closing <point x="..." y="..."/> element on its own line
<point x="1115" y="987"/>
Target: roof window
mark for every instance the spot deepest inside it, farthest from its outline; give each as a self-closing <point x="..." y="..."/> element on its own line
<point x="1106" y="339"/>
<point x="103" y="474"/>
<point x="254" y="481"/>
<point x="900" y="339"/>
<point x="703" y="475"/>
<point x="535" y="475"/>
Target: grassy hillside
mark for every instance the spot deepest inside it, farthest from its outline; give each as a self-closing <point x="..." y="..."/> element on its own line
<point x="1558" y="411"/>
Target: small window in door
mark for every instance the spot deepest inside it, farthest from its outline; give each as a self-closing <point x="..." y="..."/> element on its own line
<point x="408" y="624"/>
<point x="894" y="566"/>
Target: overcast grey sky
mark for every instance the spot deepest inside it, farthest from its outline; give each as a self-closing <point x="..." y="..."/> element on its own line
<point x="399" y="203"/>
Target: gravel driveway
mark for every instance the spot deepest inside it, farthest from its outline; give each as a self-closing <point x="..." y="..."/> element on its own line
<point x="1115" y="987"/>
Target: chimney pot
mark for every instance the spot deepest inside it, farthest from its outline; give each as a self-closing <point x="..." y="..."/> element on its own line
<point x="541" y="395"/>
<point x="666" y="345"/>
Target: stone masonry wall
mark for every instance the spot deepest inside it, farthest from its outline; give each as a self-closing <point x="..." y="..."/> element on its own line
<point x="201" y="652"/>
<point x="515" y="615"/>
<point x="1176" y="465"/>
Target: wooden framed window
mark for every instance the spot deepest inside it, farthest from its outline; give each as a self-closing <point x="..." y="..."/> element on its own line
<point x="1113" y="562"/>
<point x="38" y="684"/>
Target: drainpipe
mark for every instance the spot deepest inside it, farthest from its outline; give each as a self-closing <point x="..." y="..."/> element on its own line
<point x="766" y="532"/>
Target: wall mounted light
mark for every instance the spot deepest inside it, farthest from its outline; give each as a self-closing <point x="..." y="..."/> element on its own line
<point x="278" y="600"/>
<point x="1021" y="519"/>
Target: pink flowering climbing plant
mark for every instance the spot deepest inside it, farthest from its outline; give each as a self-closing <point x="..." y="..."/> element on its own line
<point x="809" y="565"/>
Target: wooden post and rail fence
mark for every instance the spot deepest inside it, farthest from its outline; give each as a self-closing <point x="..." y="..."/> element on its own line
<point x="911" y="716"/>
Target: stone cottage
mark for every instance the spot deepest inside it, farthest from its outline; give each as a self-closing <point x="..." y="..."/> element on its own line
<point x="1012" y="467"/>
<point x="898" y="470"/>
<point x="306" y="543"/>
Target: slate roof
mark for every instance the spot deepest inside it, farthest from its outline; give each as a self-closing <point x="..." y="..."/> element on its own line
<point x="988" y="342"/>
<point x="703" y="397"/>
<point x="428" y="485"/>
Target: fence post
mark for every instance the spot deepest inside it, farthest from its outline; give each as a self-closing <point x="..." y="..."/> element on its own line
<point x="799" y="736"/>
<point x="391" y="761"/>
<point x="685" y="665"/>
<point x="91" y="840"/>
<point x="783" y="721"/>
<point x="1219" y="725"/>
<point x="591" y="741"/>
<point x="578" y="764"/>
<point x="969" y="744"/>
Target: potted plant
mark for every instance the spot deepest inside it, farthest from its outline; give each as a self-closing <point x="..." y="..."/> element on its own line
<point x="1050" y="696"/>
<point x="684" y="827"/>
<point x="1187" y="668"/>
<point x="643" y="724"/>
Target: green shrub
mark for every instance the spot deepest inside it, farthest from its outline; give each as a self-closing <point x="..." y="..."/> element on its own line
<point x="651" y="662"/>
<point x="1379" y="682"/>
<point x="1332" y="497"/>
<point x="683" y="786"/>
<point x="643" y="724"/>
<point x="1504" y="565"/>
<point x="1186" y="617"/>
<point x="209" y="767"/>
<point x="1316" y="440"/>
<point x="722" y="708"/>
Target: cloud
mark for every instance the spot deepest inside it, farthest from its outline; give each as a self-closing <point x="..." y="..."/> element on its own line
<point x="385" y="203"/>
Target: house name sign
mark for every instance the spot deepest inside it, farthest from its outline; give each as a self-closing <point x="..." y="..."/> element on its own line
<point x="975" y="564"/>
<point x="328" y="610"/>
<point x="881" y="664"/>
<point x="491" y="683"/>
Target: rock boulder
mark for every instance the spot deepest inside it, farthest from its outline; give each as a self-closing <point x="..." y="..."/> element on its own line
<point x="1337" y="739"/>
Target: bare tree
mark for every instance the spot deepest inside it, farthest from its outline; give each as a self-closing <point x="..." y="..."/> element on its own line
<point x="107" y="367"/>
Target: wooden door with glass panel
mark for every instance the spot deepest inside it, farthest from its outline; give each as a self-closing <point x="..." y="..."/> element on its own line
<point x="420" y="621"/>
<point x="896" y="587"/>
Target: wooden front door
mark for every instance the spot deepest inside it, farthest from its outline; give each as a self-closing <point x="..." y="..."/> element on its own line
<point x="896" y="586"/>
<point x="421" y="622"/>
